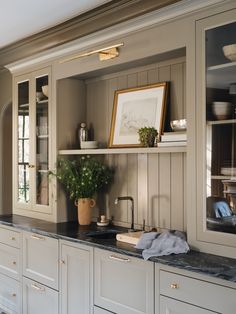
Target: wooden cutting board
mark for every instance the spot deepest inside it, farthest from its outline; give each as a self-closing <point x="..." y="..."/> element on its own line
<point x="130" y="237"/>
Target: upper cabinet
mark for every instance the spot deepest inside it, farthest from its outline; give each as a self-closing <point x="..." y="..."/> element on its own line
<point x="216" y="103"/>
<point x="31" y="193"/>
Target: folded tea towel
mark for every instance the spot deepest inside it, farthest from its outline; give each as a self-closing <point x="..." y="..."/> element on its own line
<point x="145" y="241"/>
<point x="168" y="242"/>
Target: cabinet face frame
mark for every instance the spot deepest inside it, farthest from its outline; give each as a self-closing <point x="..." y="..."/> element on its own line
<point x="202" y="233"/>
<point x="31" y="209"/>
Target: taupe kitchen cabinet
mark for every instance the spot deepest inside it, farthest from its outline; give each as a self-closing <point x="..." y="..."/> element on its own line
<point x="10" y="271"/>
<point x="123" y="284"/>
<point x="32" y="193"/>
<point x="191" y="294"/>
<point x="216" y="121"/>
<point x="38" y="299"/>
<point x="171" y="306"/>
<point x="76" y="278"/>
<point x="41" y="259"/>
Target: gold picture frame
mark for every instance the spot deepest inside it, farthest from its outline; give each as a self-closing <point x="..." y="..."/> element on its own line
<point x="134" y="108"/>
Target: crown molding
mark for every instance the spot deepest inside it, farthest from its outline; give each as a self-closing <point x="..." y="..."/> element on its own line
<point x="107" y="15"/>
<point x="165" y="14"/>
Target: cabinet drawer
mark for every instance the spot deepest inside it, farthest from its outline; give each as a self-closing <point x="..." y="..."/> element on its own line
<point x="123" y="284"/>
<point x="10" y="261"/>
<point x="201" y="293"/>
<point x="10" y="237"/>
<point x="40" y="259"/>
<point x="38" y="299"/>
<point x="10" y="295"/>
<point x="170" y="306"/>
<point x="98" y="310"/>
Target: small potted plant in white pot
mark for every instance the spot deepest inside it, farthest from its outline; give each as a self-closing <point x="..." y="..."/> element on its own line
<point x="81" y="179"/>
<point x="147" y="136"/>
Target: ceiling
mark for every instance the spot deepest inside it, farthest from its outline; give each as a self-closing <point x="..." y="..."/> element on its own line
<point x="20" y="19"/>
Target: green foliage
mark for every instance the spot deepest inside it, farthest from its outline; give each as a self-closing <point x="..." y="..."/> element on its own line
<point x="147" y="136"/>
<point x="84" y="177"/>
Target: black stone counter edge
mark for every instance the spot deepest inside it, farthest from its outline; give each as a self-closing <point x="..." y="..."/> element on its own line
<point x="202" y="263"/>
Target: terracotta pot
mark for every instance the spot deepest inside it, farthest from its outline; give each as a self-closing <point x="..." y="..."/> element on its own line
<point x="84" y="206"/>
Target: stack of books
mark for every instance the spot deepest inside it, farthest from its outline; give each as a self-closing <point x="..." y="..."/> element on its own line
<point x="173" y="139"/>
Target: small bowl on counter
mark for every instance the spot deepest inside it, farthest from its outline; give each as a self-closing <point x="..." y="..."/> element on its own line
<point x="178" y="125"/>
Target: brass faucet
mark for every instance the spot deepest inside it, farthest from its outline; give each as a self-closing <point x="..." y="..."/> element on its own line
<point x="126" y="198"/>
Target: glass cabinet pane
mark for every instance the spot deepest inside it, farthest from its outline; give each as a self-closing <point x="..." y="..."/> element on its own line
<point x="23" y="142"/>
<point x="221" y="129"/>
<point x="42" y="140"/>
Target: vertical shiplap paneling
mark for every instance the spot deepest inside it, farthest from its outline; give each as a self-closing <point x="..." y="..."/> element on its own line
<point x="142" y="188"/>
<point x="164" y="190"/>
<point x="132" y="160"/>
<point x="185" y="195"/>
<point x="98" y="107"/>
<point x="153" y="170"/>
<point x="153" y="190"/>
<point x="176" y="99"/>
<point x="177" y="191"/>
<point x="152" y="76"/>
<point x="184" y="90"/>
<point x="120" y="186"/>
<point x="164" y="74"/>
<point x="150" y="179"/>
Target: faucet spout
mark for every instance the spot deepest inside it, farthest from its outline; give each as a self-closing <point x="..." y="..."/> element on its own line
<point x="127" y="198"/>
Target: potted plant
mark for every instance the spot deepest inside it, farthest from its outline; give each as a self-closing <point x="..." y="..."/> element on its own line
<point x="83" y="178"/>
<point x="147" y="136"/>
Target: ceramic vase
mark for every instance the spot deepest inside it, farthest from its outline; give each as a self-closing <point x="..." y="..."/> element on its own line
<point x="84" y="206"/>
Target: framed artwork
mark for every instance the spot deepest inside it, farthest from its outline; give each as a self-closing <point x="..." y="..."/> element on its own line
<point x="135" y="108"/>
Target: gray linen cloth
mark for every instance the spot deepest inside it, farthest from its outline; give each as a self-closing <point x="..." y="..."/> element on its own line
<point x="166" y="243"/>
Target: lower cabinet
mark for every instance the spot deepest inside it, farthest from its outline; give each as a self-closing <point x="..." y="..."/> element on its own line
<point x="182" y="294"/>
<point x="123" y="284"/>
<point x="171" y="306"/>
<point x="39" y="299"/>
<point x="40" y="259"/>
<point x="76" y="279"/>
<point x="10" y="295"/>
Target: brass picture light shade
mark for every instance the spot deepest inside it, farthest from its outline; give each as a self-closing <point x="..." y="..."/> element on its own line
<point x="104" y="53"/>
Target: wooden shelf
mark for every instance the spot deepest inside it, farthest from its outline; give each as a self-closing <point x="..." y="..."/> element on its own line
<point x="220" y="76"/>
<point x="222" y="177"/>
<point x="111" y="151"/>
<point x="230" y="121"/>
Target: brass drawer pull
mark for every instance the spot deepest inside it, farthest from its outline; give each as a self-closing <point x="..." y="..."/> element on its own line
<point x="34" y="286"/>
<point x="13" y="238"/>
<point x="37" y="237"/>
<point x="120" y="259"/>
<point x="174" y="286"/>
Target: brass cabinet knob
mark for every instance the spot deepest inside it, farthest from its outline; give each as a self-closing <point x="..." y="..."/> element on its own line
<point x="13" y="294"/>
<point x="14" y="262"/>
<point x="13" y="238"/>
<point x="62" y="262"/>
<point x="174" y="286"/>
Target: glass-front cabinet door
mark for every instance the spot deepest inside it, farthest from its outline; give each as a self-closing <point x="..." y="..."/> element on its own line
<point x="216" y="96"/>
<point x="32" y="130"/>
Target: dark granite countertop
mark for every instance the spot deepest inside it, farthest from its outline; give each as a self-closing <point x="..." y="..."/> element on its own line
<point x="202" y="263"/>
